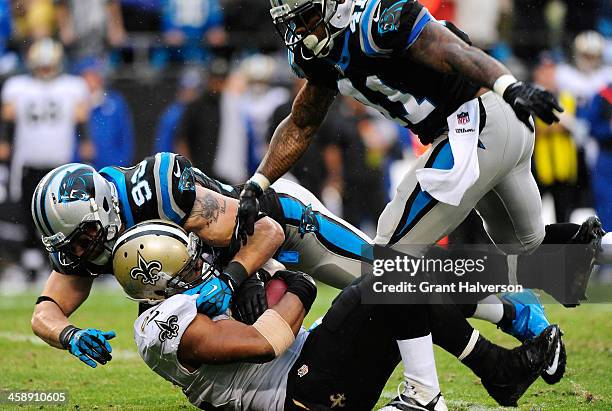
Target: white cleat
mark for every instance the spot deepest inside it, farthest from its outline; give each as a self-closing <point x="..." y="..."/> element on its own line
<point x="414" y="397"/>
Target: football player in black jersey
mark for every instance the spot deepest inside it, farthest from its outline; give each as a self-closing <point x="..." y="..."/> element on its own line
<point x="395" y="57"/>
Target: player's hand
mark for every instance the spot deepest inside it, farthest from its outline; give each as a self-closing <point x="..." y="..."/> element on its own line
<point x="251" y="302"/>
<point x="248" y="210"/>
<point x="215" y="296"/>
<point x="88" y="345"/>
<point x="528" y="100"/>
<point x="300" y="284"/>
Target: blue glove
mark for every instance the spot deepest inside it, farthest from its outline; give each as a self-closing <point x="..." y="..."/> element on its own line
<point x="215" y="296"/>
<point x="89" y="345"/>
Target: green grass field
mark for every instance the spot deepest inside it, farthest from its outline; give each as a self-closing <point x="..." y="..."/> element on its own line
<point x="126" y="383"/>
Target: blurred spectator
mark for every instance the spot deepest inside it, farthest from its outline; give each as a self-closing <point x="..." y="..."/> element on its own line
<point x="198" y="135"/>
<point x="555" y="153"/>
<point x="40" y="113"/>
<point x="249" y="26"/>
<point x="532" y="31"/>
<point x="483" y="31"/>
<point x="8" y="59"/>
<point x="364" y="139"/>
<point x="85" y="26"/>
<point x="259" y="101"/>
<point x="141" y="15"/>
<point x="186" y="24"/>
<point x="587" y="74"/>
<point x="600" y="118"/>
<point x="110" y="122"/>
<point x="189" y="88"/>
<point x="34" y="19"/>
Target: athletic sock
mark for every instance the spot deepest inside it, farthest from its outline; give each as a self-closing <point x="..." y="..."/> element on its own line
<point x="508" y="317"/>
<point x="420" y="364"/>
<point x="490" y="309"/>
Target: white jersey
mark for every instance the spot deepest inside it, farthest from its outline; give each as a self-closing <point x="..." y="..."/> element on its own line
<point x="238" y="386"/>
<point x="45" y="118"/>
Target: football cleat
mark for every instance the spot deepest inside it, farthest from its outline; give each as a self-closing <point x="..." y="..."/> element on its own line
<point x="580" y="266"/>
<point x="415" y="397"/>
<point x="518" y="368"/>
<point x="529" y="322"/>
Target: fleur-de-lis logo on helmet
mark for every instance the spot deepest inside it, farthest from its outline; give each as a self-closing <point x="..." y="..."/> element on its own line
<point x="147" y="271"/>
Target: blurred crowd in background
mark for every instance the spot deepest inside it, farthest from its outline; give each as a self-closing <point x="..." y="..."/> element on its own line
<point x="209" y="79"/>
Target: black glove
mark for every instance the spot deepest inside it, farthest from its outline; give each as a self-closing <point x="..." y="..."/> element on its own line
<point x="300" y="284"/>
<point x="528" y="100"/>
<point x="248" y="210"/>
<point x="250" y="300"/>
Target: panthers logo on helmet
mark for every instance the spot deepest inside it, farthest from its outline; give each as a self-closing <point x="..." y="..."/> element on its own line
<point x="147" y="271"/>
<point x="169" y="328"/>
<point x="77" y="185"/>
<point x="389" y="19"/>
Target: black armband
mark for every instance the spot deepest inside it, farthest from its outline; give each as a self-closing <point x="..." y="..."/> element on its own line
<point x="82" y="130"/>
<point x="236" y="274"/>
<point x="66" y="334"/>
<point x="7" y="131"/>
<point x="44" y="298"/>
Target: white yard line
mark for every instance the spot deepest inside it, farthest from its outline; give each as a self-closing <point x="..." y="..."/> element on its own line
<point x="118" y="354"/>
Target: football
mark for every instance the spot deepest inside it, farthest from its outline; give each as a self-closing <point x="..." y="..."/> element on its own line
<point x="275" y="289"/>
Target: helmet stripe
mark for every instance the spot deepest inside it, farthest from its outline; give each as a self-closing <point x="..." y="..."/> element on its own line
<point x="42" y="219"/>
<point x="153" y="228"/>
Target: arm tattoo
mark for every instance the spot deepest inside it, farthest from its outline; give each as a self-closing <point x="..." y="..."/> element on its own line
<point x="440" y="49"/>
<point x="293" y="135"/>
<point x="208" y="208"/>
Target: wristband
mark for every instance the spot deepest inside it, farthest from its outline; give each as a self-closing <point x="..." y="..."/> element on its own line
<point x="236" y="273"/>
<point x="502" y="83"/>
<point x="66" y="334"/>
<point x="273" y="327"/>
<point x="261" y="180"/>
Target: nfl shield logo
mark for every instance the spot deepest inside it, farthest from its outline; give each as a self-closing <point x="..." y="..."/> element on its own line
<point x="463" y="118"/>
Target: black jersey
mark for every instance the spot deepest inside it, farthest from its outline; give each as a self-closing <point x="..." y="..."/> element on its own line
<point x="369" y="62"/>
<point x="159" y="187"/>
<point x="163" y="187"/>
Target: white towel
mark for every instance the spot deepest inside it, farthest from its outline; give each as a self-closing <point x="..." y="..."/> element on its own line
<point x="449" y="186"/>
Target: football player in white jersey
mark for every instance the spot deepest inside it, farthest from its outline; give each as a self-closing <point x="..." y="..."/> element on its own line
<point x="41" y="113"/>
<point x="275" y="364"/>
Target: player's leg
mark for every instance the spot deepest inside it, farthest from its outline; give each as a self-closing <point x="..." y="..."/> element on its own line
<point x="347" y="360"/>
<point x="317" y="241"/>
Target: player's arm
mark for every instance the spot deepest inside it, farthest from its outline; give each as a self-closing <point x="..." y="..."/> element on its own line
<point x="439" y="48"/>
<point x="217" y="342"/>
<point x="62" y="295"/>
<point x="7" y="130"/>
<point x="292" y="136"/>
<point x="213" y="219"/>
<point x="289" y="142"/>
<point x="67" y="293"/>
<point x="209" y="342"/>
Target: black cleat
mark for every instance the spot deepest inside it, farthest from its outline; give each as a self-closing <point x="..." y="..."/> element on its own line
<point x="555" y="368"/>
<point x="518" y="368"/>
<point x="581" y="261"/>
